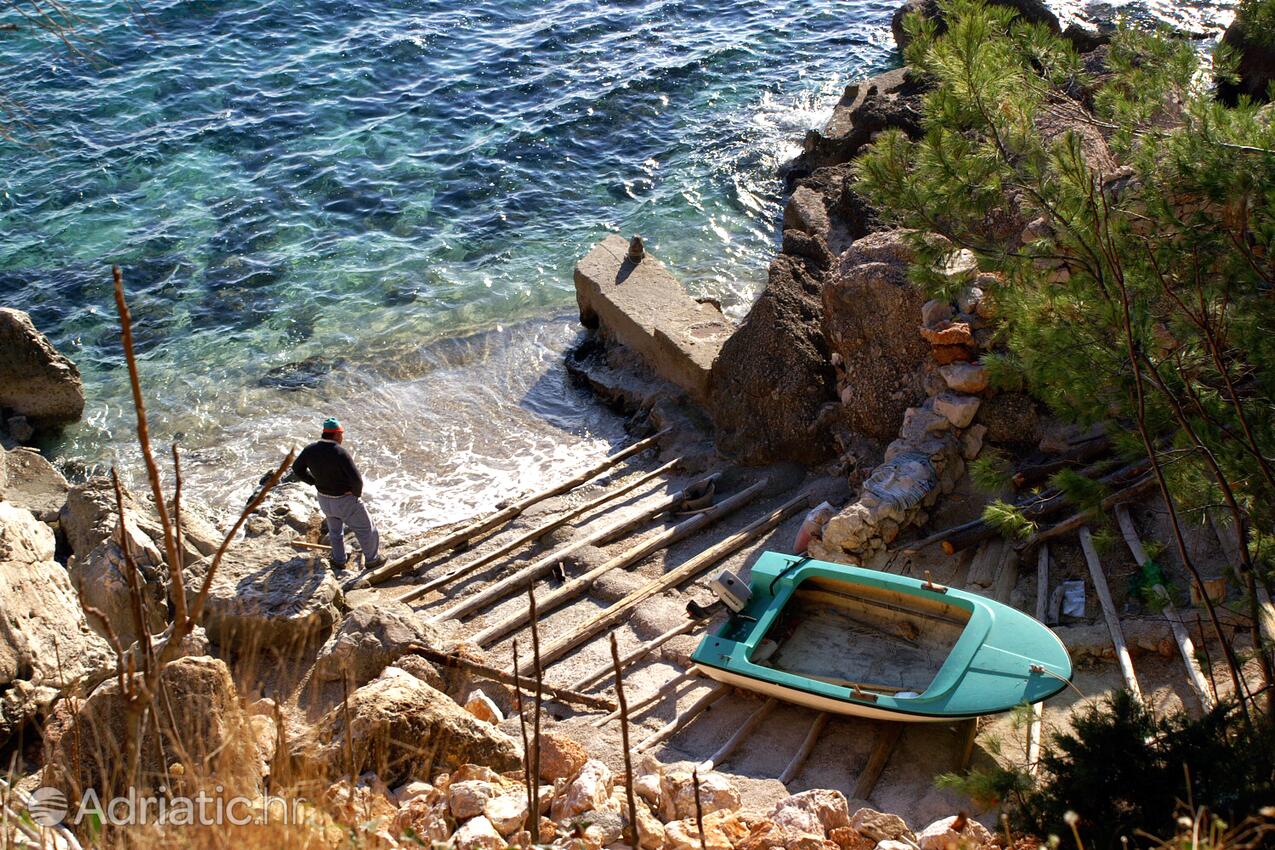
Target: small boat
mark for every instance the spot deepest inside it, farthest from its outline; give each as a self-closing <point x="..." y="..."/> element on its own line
<point x="872" y="644"/>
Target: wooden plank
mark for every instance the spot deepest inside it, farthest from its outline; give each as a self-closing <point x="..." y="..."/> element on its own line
<point x="1038" y="708"/>
<point x="500" y="517"/>
<point x="1228" y="539"/>
<point x="635" y="655"/>
<point x="968" y="732"/>
<point x="451" y="659"/>
<point x="726" y="750"/>
<point x="517" y="582"/>
<point x="673" y="578"/>
<point x="534" y="534"/>
<point x="683" y="718"/>
<point x="1109" y="612"/>
<point x="658" y="694"/>
<point x="888" y="733"/>
<point x="1194" y="675"/>
<point x="579" y="586"/>
<point x="807" y="747"/>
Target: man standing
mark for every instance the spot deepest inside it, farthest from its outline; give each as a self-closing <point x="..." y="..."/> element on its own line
<point x="332" y="472"/>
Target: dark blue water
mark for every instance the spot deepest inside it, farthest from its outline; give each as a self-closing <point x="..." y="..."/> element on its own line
<point x="372" y="210"/>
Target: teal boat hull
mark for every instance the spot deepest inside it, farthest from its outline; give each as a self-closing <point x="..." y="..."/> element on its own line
<point x="999" y="657"/>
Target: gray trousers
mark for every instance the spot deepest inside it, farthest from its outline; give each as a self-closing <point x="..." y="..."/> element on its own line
<point x="342" y="511"/>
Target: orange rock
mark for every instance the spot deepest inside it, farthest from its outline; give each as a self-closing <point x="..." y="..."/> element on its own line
<point x="949" y="333"/>
<point x="945" y="354"/>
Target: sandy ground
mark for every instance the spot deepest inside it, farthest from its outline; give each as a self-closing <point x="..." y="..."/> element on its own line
<point x="907" y="786"/>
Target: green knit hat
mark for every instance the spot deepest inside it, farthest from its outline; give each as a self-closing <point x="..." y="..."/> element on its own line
<point x="331" y="424"/>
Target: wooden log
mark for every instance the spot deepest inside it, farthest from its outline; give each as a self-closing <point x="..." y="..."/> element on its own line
<point x="504" y="515"/>
<point x="516" y="582"/>
<point x="452" y="659"/>
<point x="1229" y="539"/>
<point x="994" y="569"/>
<point x="635" y="655"/>
<point x="534" y="534"/>
<point x="726" y="750"/>
<point x="807" y="747"/>
<point x="579" y="586"/>
<point x="1131" y="493"/>
<point x="693" y="567"/>
<point x="888" y="733"/>
<point x="1078" y="454"/>
<point x="683" y="718"/>
<point x="1038" y="708"/>
<point x="967" y="733"/>
<point x="655" y="696"/>
<point x="1194" y="675"/>
<point x="1109" y="612"/>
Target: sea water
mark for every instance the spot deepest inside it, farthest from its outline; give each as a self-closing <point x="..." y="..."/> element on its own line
<point x="371" y="210"/>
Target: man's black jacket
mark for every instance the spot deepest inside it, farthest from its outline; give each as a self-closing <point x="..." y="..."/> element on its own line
<point x="329" y="468"/>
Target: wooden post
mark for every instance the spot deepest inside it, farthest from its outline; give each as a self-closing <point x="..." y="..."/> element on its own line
<point x="542" y="566"/>
<point x="1109" y="612"/>
<point x="580" y="586"/>
<point x="1194" y="675"/>
<point x="888" y="733"/>
<point x="968" y="732"/>
<point x="684" y="717"/>
<point x="500" y="517"/>
<point x="534" y="534"/>
<point x="1038" y="708"/>
<point x="659" y="693"/>
<point x="673" y="578"/>
<point x="732" y="743"/>
<point x="636" y="654"/>
<point x="807" y="746"/>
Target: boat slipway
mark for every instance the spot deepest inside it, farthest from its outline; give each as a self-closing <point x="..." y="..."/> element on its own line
<point x="872" y="644"/>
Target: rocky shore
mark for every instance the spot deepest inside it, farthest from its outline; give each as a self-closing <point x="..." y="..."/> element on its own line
<point x="843" y="383"/>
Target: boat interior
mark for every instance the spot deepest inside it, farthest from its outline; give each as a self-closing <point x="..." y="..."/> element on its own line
<point x="879" y="640"/>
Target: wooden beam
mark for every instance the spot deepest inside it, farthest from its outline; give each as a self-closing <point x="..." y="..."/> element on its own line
<point x="1129" y="494"/>
<point x="484" y="524"/>
<point x="579" y="586"/>
<point x="1038" y="708"/>
<point x="517" y="582"/>
<point x="1228" y="538"/>
<point x="636" y="654"/>
<point x="534" y="534"/>
<point x="647" y="701"/>
<point x="1109" y="612"/>
<point x="726" y="750"/>
<point x="888" y="733"/>
<point x="683" y="718"/>
<point x="452" y="659"/>
<point x="807" y="747"/>
<point x="693" y="567"/>
<point x="968" y="735"/>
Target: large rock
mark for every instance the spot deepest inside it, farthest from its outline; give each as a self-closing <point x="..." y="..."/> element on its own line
<point x="644" y="308"/>
<point x="891" y="100"/>
<point x="828" y="810"/>
<point x="1254" y="50"/>
<point x="35" y="380"/>
<point x="562" y="756"/>
<point x="587" y="792"/>
<point x="266" y="596"/>
<point x="206" y="732"/>
<point x="870" y="314"/>
<point x="677" y="793"/>
<point x="773" y="375"/>
<point x="102" y="581"/>
<point x="403" y="729"/>
<point x="373" y="636"/>
<point x="1031" y="10"/>
<point x="90" y="516"/>
<point x="34" y="483"/>
<point x="45" y="642"/>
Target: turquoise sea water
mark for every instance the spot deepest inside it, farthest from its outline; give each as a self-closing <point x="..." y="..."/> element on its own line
<point x="371" y="210"/>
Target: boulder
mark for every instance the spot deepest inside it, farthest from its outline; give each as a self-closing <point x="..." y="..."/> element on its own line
<point x="587" y="792"/>
<point x="101" y="579"/>
<point x="643" y="307"/>
<point x="481" y="706"/>
<point x="35" y="380"/>
<point x="1034" y="11"/>
<point x="773" y="376"/>
<point x="869" y="311"/>
<point x="89" y="516"/>
<point x="34" y="483"/>
<point x="677" y="793"/>
<point x="427" y="817"/>
<point x="1254" y="50"/>
<point x="478" y="834"/>
<point x="562" y="756"/>
<point x="954" y="833"/>
<point x="956" y="408"/>
<point x="880" y="826"/>
<point x="213" y="739"/>
<point x="805" y="211"/>
<point x="722" y="831"/>
<point x="45" y="640"/>
<point x="373" y="636"/>
<point x="828" y="808"/>
<point x="964" y="377"/>
<point x="469" y="797"/>
<point x="266" y="596"/>
<point x="400" y="728"/>
<point x="507" y="812"/>
<point x="768" y="835"/>
<point x="891" y="100"/>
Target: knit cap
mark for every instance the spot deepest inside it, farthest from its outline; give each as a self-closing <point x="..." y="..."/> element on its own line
<point x="331" y="424"/>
